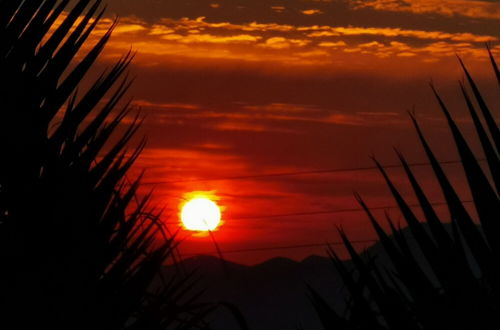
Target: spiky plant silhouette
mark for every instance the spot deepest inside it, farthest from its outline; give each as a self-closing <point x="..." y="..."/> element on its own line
<point x="460" y="287"/>
<point x="76" y="251"/>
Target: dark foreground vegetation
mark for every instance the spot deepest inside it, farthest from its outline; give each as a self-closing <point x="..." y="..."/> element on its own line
<point x="78" y="250"/>
<point x="460" y="287"/>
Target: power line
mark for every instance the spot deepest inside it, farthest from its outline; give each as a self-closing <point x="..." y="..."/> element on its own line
<point x="306" y="213"/>
<point x="298" y="173"/>
<point x="284" y="247"/>
<point x="299" y="246"/>
<point x="346" y="210"/>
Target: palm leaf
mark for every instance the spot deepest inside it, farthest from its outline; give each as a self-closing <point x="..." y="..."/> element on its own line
<point x="456" y="284"/>
<point x="78" y="248"/>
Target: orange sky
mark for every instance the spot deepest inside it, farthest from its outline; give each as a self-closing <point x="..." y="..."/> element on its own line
<point x="243" y="88"/>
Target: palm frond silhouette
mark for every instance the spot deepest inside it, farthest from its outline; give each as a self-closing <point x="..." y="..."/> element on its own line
<point x="76" y="251"/>
<point x="460" y="286"/>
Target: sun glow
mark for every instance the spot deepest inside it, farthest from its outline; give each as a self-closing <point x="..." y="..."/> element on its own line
<point x="200" y="214"/>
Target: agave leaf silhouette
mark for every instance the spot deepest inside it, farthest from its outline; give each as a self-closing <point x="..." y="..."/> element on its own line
<point x="485" y="198"/>
<point x="479" y="248"/>
<point x="493" y="64"/>
<point x="465" y="291"/>
<point x="76" y="249"/>
<point x="488" y="148"/>
<point x="488" y="117"/>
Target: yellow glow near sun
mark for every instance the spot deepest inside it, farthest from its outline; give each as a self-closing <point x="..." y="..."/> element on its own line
<point x="200" y="214"/>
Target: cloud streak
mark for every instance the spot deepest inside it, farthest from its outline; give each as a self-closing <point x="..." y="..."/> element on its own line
<point x="283" y="45"/>
<point x="467" y="8"/>
<point x="231" y="92"/>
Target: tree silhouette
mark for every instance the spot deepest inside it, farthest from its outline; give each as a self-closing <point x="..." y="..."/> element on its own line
<point x="76" y="251"/>
<point x="460" y="287"/>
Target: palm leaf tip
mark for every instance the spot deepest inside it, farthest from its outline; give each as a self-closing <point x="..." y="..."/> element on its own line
<point x="85" y="244"/>
<point x="465" y="288"/>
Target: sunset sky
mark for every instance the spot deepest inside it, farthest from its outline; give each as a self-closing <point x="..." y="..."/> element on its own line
<point x="234" y="89"/>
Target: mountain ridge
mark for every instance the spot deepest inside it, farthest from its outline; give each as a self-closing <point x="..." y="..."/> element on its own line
<point x="273" y="294"/>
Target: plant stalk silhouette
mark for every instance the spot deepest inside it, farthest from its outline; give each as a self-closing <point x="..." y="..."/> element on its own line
<point x="76" y="249"/>
<point x="460" y="287"/>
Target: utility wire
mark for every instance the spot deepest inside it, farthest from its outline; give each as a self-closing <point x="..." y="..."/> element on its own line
<point x="283" y="247"/>
<point x="306" y="213"/>
<point x="297" y="173"/>
<point x="346" y="210"/>
<point x="299" y="246"/>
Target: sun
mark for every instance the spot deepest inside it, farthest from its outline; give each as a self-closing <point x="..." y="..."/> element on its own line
<point x="200" y="214"/>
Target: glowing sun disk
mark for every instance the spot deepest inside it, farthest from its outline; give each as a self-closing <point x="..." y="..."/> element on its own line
<point x="200" y="214"/>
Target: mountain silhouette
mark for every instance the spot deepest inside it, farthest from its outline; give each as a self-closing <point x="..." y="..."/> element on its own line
<point x="272" y="295"/>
